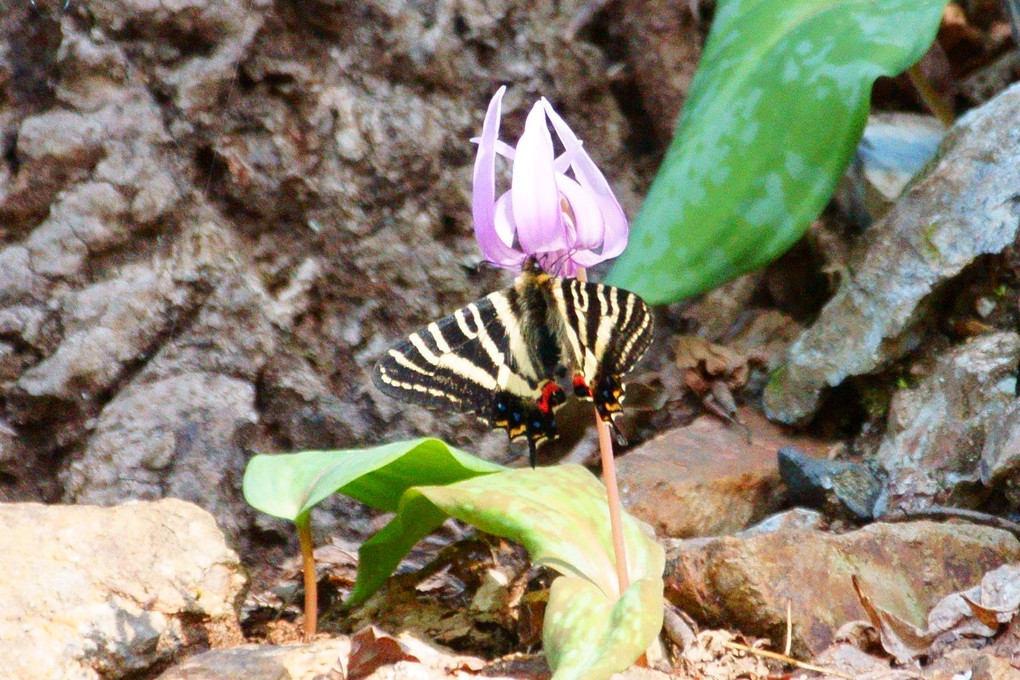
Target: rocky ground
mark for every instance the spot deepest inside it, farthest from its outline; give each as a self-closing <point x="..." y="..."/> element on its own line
<point x="215" y="216"/>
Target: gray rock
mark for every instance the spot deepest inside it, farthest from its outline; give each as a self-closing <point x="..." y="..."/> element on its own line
<point x="189" y="447"/>
<point x="841" y="488"/>
<point x="937" y="431"/>
<point x="1000" y="459"/>
<point x="963" y="206"/>
<point x="893" y="149"/>
<point x="92" y="593"/>
<point x="795" y="518"/>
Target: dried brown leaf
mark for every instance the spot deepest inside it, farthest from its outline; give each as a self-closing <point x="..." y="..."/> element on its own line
<point x="710" y="658"/>
<point x="902" y="639"/>
<point x="372" y="649"/>
<point x="711" y="360"/>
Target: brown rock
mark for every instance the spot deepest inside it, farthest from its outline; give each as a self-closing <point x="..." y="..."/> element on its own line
<point x="905" y="568"/>
<point x="94" y="592"/>
<point x="708" y="478"/>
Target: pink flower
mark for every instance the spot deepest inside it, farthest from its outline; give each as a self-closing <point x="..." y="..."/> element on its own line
<point x="563" y="220"/>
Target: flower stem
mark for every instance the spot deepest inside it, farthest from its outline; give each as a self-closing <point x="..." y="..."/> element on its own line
<point x="304" y="527"/>
<point x="612" y="489"/>
<point x="613" y="497"/>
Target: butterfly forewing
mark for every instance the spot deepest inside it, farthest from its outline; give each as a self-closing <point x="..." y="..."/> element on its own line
<point x="458" y="362"/>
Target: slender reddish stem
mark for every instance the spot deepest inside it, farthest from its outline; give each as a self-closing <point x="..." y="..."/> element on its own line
<point x="304" y="527"/>
<point x="612" y="490"/>
<point x="613" y="497"/>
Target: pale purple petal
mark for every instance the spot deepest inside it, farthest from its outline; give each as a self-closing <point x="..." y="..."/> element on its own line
<point x="504" y="217"/>
<point x="502" y="148"/>
<point x="614" y="240"/>
<point x="592" y="180"/>
<point x="589" y="227"/>
<point x="535" y="198"/>
<point x="484" y="189"/>
<point x="585" y="170"/>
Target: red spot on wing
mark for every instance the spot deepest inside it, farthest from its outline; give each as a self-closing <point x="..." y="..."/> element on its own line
<point x="552" y="395"/>
<point x="581" y="388"/>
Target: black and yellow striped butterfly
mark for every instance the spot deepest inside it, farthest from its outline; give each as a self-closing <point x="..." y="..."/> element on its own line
<point x="502" y="357"/>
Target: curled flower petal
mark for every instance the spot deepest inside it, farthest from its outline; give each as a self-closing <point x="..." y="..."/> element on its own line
<point x="592" y="180"/>
<point x="505" y="226"/>
<point x="483" y="202"/>
<point x="533" y="192"/>
<point x="588" y="226"/>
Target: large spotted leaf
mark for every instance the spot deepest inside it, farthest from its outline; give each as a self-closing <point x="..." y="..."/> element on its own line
<point x="561" y="517"/>
<point x="771" y="121"/>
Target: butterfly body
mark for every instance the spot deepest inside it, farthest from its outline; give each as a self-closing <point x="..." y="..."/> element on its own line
<point x="504" y="356"/>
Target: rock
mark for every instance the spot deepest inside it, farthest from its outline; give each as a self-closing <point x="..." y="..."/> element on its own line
<point x="893" y="148"/>
<point x="936" y="432"/>
<point x="663" y="45"/>
<point x="962" y="207"/>
<point x="189" y="447"/>
<point x="841" y="488"/>
<point x="795" y="518"/>
<point x="905" y="568"/>
<point x="264" y="662"/>
<point x="106" y="593"/>
<point x="1000" y="459"/>
<point x="707" y="478"/>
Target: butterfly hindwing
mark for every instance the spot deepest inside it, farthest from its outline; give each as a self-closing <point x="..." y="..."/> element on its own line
<point x="606" y="331"/>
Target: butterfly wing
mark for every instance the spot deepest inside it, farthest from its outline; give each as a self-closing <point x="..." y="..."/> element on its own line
<point x="605" y="330"/>
<point x="477" y="360"/>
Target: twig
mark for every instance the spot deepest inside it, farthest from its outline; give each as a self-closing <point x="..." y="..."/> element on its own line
<point x="789" y="627"/>
<point x="786" y="659"/>
<point x="944" y="512"/>
<point x="612" y="490"/>
<point x="304" y="527"/>
<point x="935" y="103"/>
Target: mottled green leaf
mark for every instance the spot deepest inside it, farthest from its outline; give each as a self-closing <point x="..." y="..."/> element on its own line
<point x="560" y="515"/>
<point x="289" y="485"/>
<point x="587" y="635"/>
<point x="770" y="123"/>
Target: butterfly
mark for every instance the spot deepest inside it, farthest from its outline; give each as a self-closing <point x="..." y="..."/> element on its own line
<point x="503" y="357"/>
